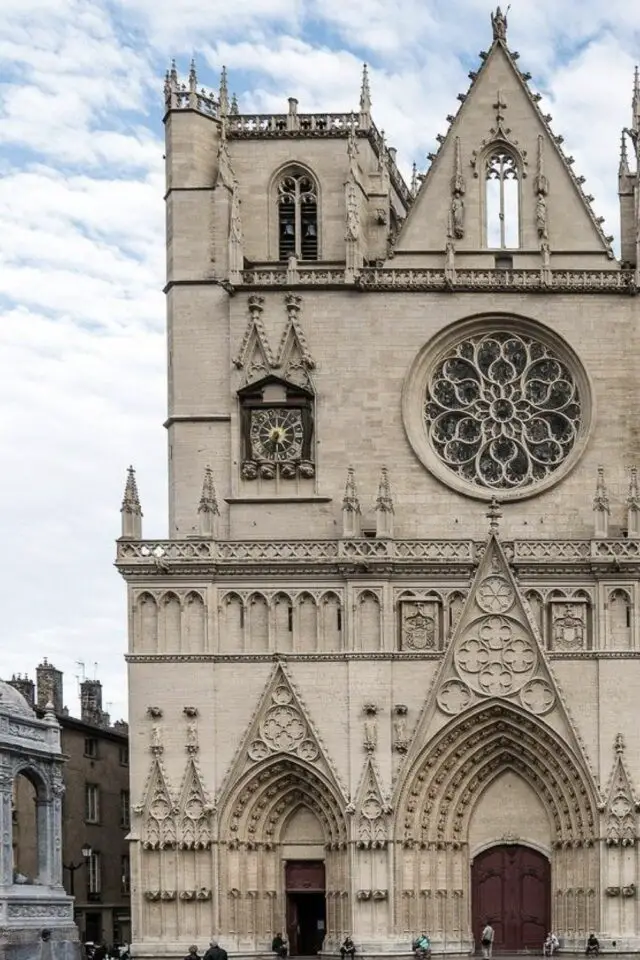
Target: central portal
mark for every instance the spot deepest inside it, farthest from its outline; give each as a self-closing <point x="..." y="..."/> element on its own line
<point x="306" y="908"/>
<point x="511" y="888"/>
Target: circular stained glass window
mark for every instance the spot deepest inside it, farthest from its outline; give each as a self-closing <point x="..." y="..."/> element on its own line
<point x="504" y="409"/>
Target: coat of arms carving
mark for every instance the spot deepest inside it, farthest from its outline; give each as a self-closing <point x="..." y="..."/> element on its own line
<point x="420" y="625"/>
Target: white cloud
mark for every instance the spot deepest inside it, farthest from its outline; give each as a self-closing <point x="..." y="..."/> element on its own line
<point x="81" y="246"/>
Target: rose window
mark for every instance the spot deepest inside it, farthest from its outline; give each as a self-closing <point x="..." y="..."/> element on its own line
<point x="503" y="411"/>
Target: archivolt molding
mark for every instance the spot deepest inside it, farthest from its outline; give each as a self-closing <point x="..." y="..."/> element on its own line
<point x="436" y="801"/>
<point x="265" y="798"/>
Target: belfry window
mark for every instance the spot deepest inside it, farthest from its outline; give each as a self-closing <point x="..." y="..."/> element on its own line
<point x="502" y="200"/>
<point x="297" y="217"/>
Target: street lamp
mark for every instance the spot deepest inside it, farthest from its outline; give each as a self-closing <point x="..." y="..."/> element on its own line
<point x="72" y="867"/>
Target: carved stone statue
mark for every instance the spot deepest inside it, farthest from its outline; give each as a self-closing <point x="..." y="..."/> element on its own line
<point x="457" y="216"/>
<point x="370" y="728"/>
<point x="541" y="216"/>
<point x="499" y="24"/>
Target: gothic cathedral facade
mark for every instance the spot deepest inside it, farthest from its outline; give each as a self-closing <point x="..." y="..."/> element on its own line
<point x="384" y="670"/>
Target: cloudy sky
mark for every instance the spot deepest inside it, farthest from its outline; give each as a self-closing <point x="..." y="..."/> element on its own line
<point x="81" y="237"/>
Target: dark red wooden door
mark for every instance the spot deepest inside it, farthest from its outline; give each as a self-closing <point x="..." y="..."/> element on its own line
<point x="511" y="888"/>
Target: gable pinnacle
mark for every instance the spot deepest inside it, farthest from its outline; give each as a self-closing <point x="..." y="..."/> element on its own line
<point x="365" y="93"/>
<point x="384" y="506"/>
<point x="601" y="507"/>
<point x="623" y="169"/>
<point x="633" y="506"/>
<point x="193" y="77"/>
<point x="350" y="507"/>
<point x="131" y="511"/>
<point x="494" y="513"/>
<point x="224" y="93"/>
<point x="499" y="23"/>
<point x="234" y="109"/>
<point x="618" y="744"/>
<point x="208" y="510"/>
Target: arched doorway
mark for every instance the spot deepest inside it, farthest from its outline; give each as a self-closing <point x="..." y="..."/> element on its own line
<point x="511" y="888"/>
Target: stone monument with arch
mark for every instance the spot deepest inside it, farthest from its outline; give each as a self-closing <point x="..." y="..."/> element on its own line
<point x="36" y="915"/>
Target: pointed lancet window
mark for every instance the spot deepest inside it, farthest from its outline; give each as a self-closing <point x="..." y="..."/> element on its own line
<point x="297" y="216"/>
<point x="502" y="207"/>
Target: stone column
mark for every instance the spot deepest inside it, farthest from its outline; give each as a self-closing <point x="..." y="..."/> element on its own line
<point x="6" y="832"/>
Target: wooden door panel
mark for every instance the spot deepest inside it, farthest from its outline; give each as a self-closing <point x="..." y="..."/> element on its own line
<point x="511" y="889"/>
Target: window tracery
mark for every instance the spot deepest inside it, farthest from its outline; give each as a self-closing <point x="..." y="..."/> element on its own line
<point x="502" y="199"/>
<point x="297" y="197"/>
<point x="502" y="410"/>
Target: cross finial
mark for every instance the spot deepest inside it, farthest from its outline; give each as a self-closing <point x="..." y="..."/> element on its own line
<point x="494" y="515"/>
<point x="499" y="23"/>
<point x="619" y="744"/>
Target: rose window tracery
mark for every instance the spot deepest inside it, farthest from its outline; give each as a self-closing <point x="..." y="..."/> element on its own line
<point x="496" y="657"/>
<point x="283" y="728"/>
<point x="502" y="410"/>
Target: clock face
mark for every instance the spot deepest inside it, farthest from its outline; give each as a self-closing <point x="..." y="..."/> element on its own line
<point x="276" y="434"/>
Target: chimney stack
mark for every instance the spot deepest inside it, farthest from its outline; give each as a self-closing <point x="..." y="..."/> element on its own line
<point x="25" y="686"/>
<point x="91" y="704"/>
<point x="49" y="686"/>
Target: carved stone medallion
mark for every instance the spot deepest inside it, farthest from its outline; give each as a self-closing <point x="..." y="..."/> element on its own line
<point x="283" y="728"/>
<point x="537" y="696"/>
<point x="454" y="697"/>
<point x="495" y="595"/>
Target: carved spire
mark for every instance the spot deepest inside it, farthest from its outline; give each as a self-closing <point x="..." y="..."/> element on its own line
<point x="384" y="506"/>
<point x="193" y="85"/>
<point x="365" y="99"/>
<point x="131" y="511"/>
<point x="234" y="109"/>
<point x="635" y="102"/>
<point x="499" y="24"/>
<point x="224" y="94"/>
<point x="494" y="515"/>
<point x="351" y="507"/>
<point x="623" y="169"/>
<point x="601" y="507"/>
<point x="208" y="511"/>
<point x="618" y="744"/>
<point x="633" y="506"/>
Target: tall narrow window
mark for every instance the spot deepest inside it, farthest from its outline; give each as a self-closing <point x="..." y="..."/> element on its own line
<point x="92" y="803"/>
<point x="297" y="217"/>
<point x="502" y="202"/>
<point x="94" y="874"/>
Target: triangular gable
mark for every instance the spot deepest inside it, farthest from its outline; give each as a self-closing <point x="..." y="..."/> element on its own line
<point x="157" y="807"/>
<point x="371" y="810"/>
<point x="622" y="804"/>
<point x="254" y="355"/>
<point x="499" y="107"/>
<point x="495" y="652"/>
<point x="194" y="810"/>
<point x="280" y="726"/>
<point x="294" y="358"/>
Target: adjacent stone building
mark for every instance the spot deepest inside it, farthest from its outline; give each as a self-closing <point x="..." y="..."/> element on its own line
<point x="384" y="671"/>
<point x="95" y="807"/>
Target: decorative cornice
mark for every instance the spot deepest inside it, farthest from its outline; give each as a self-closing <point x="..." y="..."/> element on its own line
<point x="428" y="280"/>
